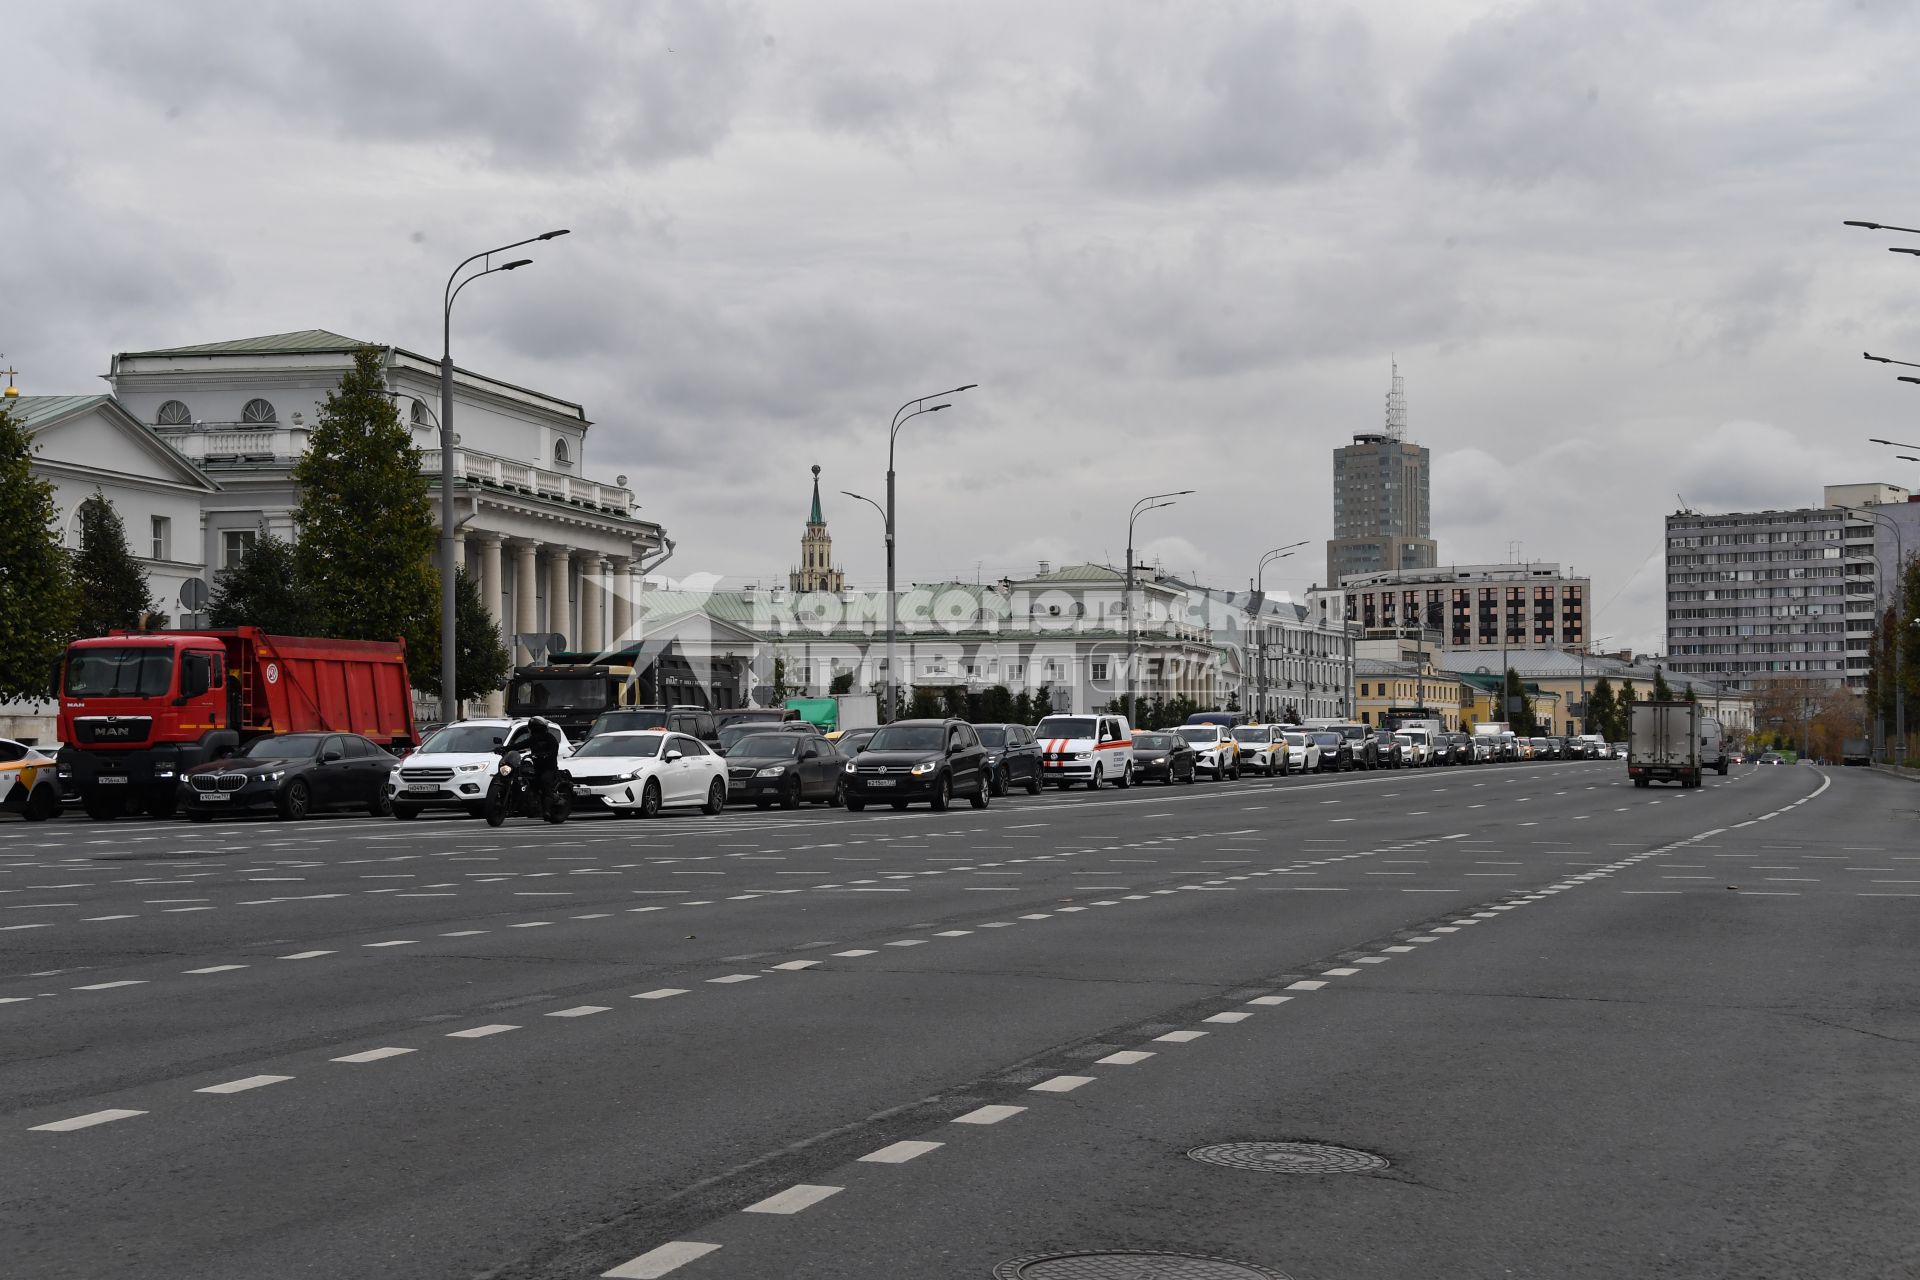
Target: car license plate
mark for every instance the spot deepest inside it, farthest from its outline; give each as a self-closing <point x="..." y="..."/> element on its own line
<point x="879" y="782"/>
<point x="213" y="796"/>
<point x="112" y="780"/>
<point x="423" y="786"/>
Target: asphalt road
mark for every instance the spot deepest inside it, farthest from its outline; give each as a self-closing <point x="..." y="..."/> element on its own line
<point x="1591" y="1030"/>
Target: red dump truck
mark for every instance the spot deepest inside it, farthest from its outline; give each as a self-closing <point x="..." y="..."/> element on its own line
<point x="139" y="708"/>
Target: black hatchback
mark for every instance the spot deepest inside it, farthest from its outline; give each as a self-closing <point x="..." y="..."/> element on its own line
<point x="1013" y="757"/>
<point x="909" y="760"/>
<point x="1167" y="757"/>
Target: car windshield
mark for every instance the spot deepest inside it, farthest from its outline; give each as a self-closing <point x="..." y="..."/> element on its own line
<point x="1295" y="739"/>
<point x="119" y="673"/>
<point x="558" y="693"/>
<point x="779" y="746"/>
<point x="1065" y="727"/>
<point x="1198" y="732"/>
<point x="1154" y="741"/>
<point x="621" y="744"/>
<point x="1354" y="731"/>
<point x="992" y="735"/>
<point x="614" y="721"/>
<point x="734" y="733"/>
<point x="912" y="737"/>
<point x="1249" y="734"/>
<point x="292" y="746"/>
<point x="464" y="740"/>
<point x="1327" y="739"/>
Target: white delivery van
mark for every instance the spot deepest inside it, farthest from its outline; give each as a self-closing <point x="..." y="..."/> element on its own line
<point x="1094" y="749"/>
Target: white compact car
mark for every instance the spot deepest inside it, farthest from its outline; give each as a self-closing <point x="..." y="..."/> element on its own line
<point x="1263" y="748"/>
<point x="1217" y="750"/>
<point x="453" y="768"/>
<point x="636" y="774"/>
<point x="1303" y="753"/>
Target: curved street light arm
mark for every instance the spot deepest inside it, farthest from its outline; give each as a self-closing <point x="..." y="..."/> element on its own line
<point x="449" y="291"/>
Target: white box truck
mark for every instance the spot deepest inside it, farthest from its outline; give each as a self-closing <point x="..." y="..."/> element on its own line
<point x="1664" y="743"/>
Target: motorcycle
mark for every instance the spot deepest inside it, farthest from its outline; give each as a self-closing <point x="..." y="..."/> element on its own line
<point x="516" y="792"/>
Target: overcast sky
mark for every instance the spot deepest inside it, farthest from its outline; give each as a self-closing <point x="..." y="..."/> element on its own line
<point x="1176" y="244"/>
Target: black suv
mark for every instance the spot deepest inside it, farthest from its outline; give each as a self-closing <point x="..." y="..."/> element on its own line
<point x="1366" y="752"/>
<point x="1013" y="756"/>
<point x="908" y="760"/>
<point x="692" y="721"/>
<point x="787" y="767"/>
<point x="1389" y="750"/>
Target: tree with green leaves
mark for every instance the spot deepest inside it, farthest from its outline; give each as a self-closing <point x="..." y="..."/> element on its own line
<point x="1023" y="707"/>
<point x="954" y="701"/>
<point x="37" y="602"/>
<point x="842" y="682"/>
<point x="1601" y="709"/>
<point x="1623" y="709"/>
<point x="1662" y="691"/>
<point x="996" y="705"/>
<point x="366" y="531"/>
<point x="781" y="689"/>
<point x="482" y="660"/>
<point x="1524" y="721"/>
<point x="1042" y="704"/>
<point x="927" y="703"/>
<point x="262" y="590"/>
<point x="111" y="585"/>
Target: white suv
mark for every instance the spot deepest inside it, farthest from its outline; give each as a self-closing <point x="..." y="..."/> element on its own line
<point x="453" y="768"/>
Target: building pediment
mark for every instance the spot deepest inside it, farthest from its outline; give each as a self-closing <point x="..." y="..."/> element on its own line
<point x="96" y="435"/>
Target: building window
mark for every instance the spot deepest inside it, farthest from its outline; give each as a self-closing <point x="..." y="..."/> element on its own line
<point x="417" y="415"/>
<point x="561" y="457"/>
<point x="162" y="538"/>
<point x="234" y="545"/>
<point x="258" y="411"/>
<point x="1099" y="670"/>
<point x="174" y="414"/>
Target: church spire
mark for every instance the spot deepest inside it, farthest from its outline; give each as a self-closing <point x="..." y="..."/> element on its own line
<point x="816" y="571"/>
<point x="815" y="517"/>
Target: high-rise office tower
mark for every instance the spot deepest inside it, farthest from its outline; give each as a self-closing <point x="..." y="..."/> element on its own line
<point x="1381" y="519"/>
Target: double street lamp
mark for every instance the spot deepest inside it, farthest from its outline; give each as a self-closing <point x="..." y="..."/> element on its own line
<point x="1152" y="502"/>
<point x="1255" y="649"/>
<point x="449" y="655"/>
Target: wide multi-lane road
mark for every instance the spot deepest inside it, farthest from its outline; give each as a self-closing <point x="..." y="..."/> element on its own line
<point x="1551" y="1025"/>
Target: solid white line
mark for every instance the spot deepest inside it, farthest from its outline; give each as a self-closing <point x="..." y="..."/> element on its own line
<point x="84" y="1122"/>
<point x="655" y="1263"/>
<point x="900" y="1152"/>
<point x="371" y="1055"/>
<point x="474" y="1033"/>
<point x="988" y="1115"/>
<point x="1061" y="1084"/>
<point x="661" y="994"/>
<point x="793" y="1199"/>
<point x="242" y="1085"/>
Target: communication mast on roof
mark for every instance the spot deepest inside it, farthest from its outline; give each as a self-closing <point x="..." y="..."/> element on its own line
<point x="1397" y="406"/>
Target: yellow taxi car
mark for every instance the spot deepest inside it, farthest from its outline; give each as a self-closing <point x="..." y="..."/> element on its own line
<point x="1263" y="748"/>
<point x="28" y="783"/>
<point x="1218" y="754"/>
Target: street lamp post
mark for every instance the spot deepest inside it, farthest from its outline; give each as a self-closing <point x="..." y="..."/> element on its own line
<point x="1258" y="650"/>
<point x="1152" y="502"/>
<point x="449" y="655"/>
<point x="900" y="419"/>
<point x="886" y="527"/>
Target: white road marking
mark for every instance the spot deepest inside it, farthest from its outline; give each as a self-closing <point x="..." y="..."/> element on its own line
<point x="1125" y="1058"/>
<point x="1061" y="1084"/>
<point x="856" y="952"/>
<point x="474" y="1033"/>
<point x="988" y="1115"/>
<point x="579" y="1011"/>
<point x="736" y="977"/>
<point x="1305" y="986"/>
<point x="655" y="1263"/>
<point x="244" y="1084"/>
<point x="793" y="1199"/>
<point x="1269" y="999"/>
<point x="900" y="1152"/>
<point x="795" y="965"/>
<point x="1232" y="1017"/>
<point x="372" y="1055"/>
<point x="1179" y="1037"/>
<point x="85" y="1122"/>
<point x="661" y="994"/>
<point x="218" y="968"/>
<point x="108" y="986"/>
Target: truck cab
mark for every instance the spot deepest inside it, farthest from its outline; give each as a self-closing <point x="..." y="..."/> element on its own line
<point x="137" y="711"/>
<point x="571" y="694"/>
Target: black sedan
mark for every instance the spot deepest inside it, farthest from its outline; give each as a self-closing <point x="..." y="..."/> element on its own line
<point x="1365" y="753"/>
<point x="293" y="774"/>
<point x="1389" y="750"/>
<point x="908" y="760"/>
<point x="1167" y="757"/>
<point x="787" y="767"/>
<point x="1013" y="755"/>
<point x="730" y="735"/>
<point x="1336" y="752"/>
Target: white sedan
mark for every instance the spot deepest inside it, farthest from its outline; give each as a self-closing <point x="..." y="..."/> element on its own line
<point x="1303" y="753"/>
<point x="637" y="774"/>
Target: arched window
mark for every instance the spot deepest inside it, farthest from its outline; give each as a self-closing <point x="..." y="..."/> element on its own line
<point x="561" y="457"/>
<point x="418" y="414"/>
<point x="258" y="411"/>
<point x="174" y="414"/>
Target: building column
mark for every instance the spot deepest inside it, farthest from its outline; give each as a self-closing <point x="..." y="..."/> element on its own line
<point x="620" y="586"/>
<point x="526" y="588"/>
<point x="490" y="596"/>
<point x="593" y="604"/>
<point x="459" y="547"/>
<point x="559" y="615"/>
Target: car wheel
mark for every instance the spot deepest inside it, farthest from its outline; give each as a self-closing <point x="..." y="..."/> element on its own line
<point x="716" y="798"/>
<point x="381" y="806"/>
<point x="294" y="800"/>
<point x="942" y="793"/>
<point x="897" y="804"/>
<point x="1125" y="779"/>
<point x="982" y="794"/>
<point x="998" y="782"/>
<point x="839" y="797"/>
<point x="856" y="806"/>
<point x="790" y="794"/>
<point x="42" y="804"/>
<point x="650" y="799"/>
<point x="1170" y="779"/>
<point x="101" y="807"/>
<point x="407" y="812"/>
<point x="1033" y="785"/>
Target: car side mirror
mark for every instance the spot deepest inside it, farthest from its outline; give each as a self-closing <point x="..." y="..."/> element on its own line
<point x="674" y="755"/>
<point x="329" y="757"/>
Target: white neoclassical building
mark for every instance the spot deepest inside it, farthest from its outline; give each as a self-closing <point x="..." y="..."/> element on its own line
<point x="554" y="550"/>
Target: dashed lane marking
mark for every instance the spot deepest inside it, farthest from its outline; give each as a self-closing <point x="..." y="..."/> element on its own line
<point x="86" y="1121"/>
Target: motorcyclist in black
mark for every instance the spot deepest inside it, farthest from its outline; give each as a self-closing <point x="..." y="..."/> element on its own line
<point x="543" y="753"/>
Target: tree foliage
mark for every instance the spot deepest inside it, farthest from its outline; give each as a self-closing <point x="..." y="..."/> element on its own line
<point x="1042" y="704"/>
<point x="37" y="602"/>
<point x="111" y="585"/>
<point x="1602" y="710"/>
<point x="366" y="529"/>
<point x="1023" y="708"/>
<point x="262" y="590"/>
<point x="842" y="682"/>
<point x="1662" y="691"/>
<point x="1524" y="721"/>
<point x="482" y="660"/>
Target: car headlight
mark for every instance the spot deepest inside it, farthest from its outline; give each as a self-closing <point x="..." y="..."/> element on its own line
<point x="993" y="759"/>
<point x="275" y="776"/>
<point x="774" y="772"/>
<point x="470" y="768"/>
<point x="631" y="775"/>
<point x="850" y="768"/>
<point x="1083" y="755"/>
<point x="926" y="766"/>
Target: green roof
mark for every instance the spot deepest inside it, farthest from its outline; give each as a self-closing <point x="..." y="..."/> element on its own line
<point x="1082" y="573"/>
<point x="33" y="410"/>
<point x="302" y="341"/>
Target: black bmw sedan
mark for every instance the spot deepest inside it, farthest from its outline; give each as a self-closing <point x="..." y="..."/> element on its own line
<point x="1166" y="757"/>
<point x="908" y="760"/>
<point x="293" y="774"/>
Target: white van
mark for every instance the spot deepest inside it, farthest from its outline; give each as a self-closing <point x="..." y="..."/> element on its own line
<point x="1093" y="749"/>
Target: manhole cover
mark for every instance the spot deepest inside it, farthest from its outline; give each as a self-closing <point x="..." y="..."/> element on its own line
<point x="1288" y="1157"/>
<point x="1127" y="1264"/>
